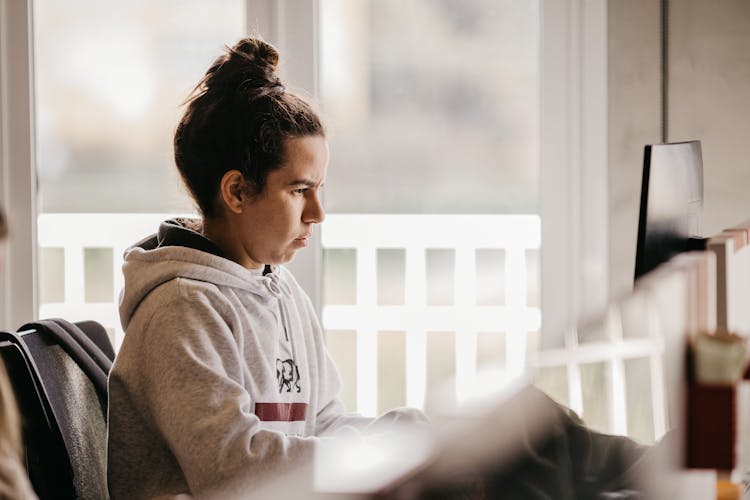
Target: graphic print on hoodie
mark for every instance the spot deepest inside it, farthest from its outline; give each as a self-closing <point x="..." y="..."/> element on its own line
<point x="287" y="375"/>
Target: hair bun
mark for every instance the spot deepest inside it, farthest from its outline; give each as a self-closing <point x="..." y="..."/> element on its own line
<point x="257" y="52"/>
<point x="247" y="68"/>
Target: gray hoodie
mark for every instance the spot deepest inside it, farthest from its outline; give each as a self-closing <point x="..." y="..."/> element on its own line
<point x="222" y="379"/>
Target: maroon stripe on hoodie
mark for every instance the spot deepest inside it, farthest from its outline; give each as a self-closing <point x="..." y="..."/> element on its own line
<point x="281" y="412"/>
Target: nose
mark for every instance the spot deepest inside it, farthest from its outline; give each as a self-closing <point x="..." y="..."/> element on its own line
<point x="314" y="213"/>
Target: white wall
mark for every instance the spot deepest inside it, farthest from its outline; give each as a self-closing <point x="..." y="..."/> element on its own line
<point x="709" y="99"/>
<point x="634" y="120"/>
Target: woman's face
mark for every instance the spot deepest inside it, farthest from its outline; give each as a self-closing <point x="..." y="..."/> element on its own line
<point x="279" y="221"/>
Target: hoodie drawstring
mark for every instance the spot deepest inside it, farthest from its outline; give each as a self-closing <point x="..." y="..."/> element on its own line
<point x="278" y="289"/>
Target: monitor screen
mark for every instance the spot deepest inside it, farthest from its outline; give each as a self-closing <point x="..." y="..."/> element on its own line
<point x="671" y="203"/>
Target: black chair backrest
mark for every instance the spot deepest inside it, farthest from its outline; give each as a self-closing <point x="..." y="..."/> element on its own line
<point x="77" y="343"/>
<point x="96" y="332"/>
<point x="72" y="369"/>
<point x="47" y="461"/>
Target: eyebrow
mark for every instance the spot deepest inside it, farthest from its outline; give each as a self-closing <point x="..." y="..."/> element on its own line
<point x="304" y="182"/>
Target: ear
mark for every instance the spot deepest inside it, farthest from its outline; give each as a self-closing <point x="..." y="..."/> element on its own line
<point x="231" y="189"/>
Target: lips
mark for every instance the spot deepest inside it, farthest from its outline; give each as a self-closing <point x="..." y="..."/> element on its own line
<point x="302" y="241"/>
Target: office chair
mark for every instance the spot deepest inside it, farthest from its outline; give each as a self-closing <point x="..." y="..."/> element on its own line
<point x="72" y="371"/>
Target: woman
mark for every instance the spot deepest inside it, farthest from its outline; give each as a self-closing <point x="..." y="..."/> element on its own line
<point x="223" y="378"/>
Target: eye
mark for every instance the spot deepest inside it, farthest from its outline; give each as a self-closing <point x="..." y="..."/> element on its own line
<point x="299" y="191"/>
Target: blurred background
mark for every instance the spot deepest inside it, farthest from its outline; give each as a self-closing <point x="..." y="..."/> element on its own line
<point x="484" y="179"/>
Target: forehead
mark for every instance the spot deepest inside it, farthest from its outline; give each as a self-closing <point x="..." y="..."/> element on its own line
<point x="304" y="158"/>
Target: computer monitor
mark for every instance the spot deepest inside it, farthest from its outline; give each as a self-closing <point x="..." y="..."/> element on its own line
<point x="671" y="203"/>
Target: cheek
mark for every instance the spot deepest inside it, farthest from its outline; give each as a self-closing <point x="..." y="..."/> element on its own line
<point x="287" y="215"/>
<point x="276" y="224"/>
<point x="273" y="222"/>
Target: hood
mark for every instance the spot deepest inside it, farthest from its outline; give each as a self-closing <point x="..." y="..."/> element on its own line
<point x="178" y="250"/>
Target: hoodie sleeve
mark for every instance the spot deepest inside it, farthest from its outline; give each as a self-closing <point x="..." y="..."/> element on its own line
<point x="186" y="374"/>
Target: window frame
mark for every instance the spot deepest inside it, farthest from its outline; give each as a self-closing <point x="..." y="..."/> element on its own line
<point x="573" y="142"/>
<point x="18" y="274"/>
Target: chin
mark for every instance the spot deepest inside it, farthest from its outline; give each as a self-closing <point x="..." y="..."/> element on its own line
<point x="283" y="259"/>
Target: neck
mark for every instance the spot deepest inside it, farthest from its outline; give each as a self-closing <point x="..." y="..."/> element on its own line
<point x="220" y="233"/>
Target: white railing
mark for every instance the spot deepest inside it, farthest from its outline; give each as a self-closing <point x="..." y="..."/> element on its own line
<point x="415" y="234"/>
<point x="614" y="350"/>
<point x="74" y="233"/>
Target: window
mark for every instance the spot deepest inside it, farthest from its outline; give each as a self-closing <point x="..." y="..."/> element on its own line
<point x="431" y="263"/>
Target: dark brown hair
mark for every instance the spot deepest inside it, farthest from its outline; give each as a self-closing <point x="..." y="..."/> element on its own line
<point x="238" y="118"/>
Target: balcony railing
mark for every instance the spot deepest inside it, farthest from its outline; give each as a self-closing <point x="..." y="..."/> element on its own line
<point x="515" y="235"/>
